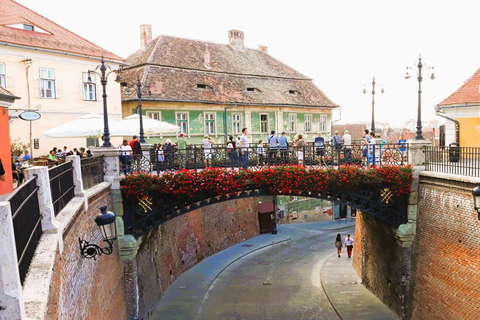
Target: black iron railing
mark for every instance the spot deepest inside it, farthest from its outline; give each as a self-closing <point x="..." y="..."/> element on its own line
<point x="26" y="223"/>
<point x="61" y="185"/>
<point x="196" y="157"/>
<point x="453" y="159"/>
<point x="92" y="171"/>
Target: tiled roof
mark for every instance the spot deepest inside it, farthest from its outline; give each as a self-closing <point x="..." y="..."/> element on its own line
<point x="174" y="66"/>
<point x="55" y="38"/>
<point x="468" y="93"/>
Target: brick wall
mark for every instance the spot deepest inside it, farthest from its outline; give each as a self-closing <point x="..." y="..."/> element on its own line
<point x="84" y="288"/>
<point x="446" y="253"/>
<point x="179" y="244"/>
<point x="380" y="261"/>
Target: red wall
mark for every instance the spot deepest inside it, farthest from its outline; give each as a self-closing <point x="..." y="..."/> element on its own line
<point x="7" y="185"/>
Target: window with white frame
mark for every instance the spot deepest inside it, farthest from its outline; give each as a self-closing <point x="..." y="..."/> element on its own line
<point x="308" y="123"/>
<point x="236" y="123"/>
<point x="89" y="86"/>
<point x="182" y="121"/>
<point x="264" y="123"/>
<point x="209" y="123"/>
<point x="323" y="123"/>
<point x="3" y="82"/>
<point x="47" y="83"/>
<point x="292" y="122"/>
<point x="155" y="115"/>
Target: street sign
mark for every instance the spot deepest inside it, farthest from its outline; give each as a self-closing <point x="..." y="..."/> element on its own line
<point x="30" y="115"/>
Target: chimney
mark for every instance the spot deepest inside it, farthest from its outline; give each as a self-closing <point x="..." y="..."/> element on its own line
<point x="145" y="35"/>
<point x="263" y="48"/>
<point x="206" y="58"/>
<point x="235" y="38"/>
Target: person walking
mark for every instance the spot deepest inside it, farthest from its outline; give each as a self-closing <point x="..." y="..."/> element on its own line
<point x="136" y="153"/>
<point x="366" y="140"/>
<point x="207" y="150"/>
<point x="336" y="147"/>
<point x="272" y="147"/>
<point x="320" y="148"/>
<point x="402" y="143"/>
<point x="347" y="146"/>
<point x="261" y="153"/>
<point x="371" y="151"/>
<point x="182" y="151"/>
<point x="232" y="151"/>
<point x="244" y="148"/>
<point x="349" y="245"/>
<point x="125" y="157"/>
<point x="283" y="145"/>
<point x="299" y="143"/>
<point x="339" y="244"/>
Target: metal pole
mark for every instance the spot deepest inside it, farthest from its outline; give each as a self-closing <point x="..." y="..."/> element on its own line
<point x="106" y="132"/>
<point x="419" y="112"/>
<point x="140" y="113"/>
<point x="373" y="105"/>
<point x="274" y="202"/>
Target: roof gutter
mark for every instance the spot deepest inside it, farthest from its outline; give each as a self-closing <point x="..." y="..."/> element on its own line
<point x="438" y="111"/>
<point x="59" y="52"/>
<point x="235" y="103"/>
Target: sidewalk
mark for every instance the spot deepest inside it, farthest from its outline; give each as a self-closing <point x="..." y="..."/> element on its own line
<point x="350" y="299"/>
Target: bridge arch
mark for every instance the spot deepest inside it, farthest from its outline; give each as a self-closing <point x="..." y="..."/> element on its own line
<point x="151" y="201"/>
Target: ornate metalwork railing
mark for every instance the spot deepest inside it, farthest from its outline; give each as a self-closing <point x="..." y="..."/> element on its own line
<point x="26" y="223"/>
<point x="92" y="171"/>
<point x="196" y="157"/>
<point x="455" y="160"/>
<point x="61" y="185"/>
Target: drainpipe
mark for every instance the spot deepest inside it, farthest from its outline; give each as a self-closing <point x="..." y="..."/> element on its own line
<point x="28" y="63"/>
<point x="225" y="120"/>
<point x="439" y="112"/>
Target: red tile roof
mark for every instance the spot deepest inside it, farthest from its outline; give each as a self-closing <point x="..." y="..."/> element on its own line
<point x="468" y="93"/>
<point x="173" y="67"/>
<point x="57" y="38"/>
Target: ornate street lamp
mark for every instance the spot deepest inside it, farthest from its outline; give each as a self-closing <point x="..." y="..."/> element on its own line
<point x="108" y="228"/>
<point x="140" y="86"/>
<point x="372" y="129"/>
<point x="476" y="199"/>
<point x="103" y="80"/>
<point x="419" y="135"/>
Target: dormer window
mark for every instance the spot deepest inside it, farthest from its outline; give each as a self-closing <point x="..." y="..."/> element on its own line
<point x="203" y="86"/>
<point x="293" y="92"/>
<point x="28" y="27"/>
<point x="251" y="89"/>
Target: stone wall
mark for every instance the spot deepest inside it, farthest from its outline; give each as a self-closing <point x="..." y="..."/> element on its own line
<point x="86" y="288"/>
<point x="179" y="244"/>
<point x="446" y="251"/>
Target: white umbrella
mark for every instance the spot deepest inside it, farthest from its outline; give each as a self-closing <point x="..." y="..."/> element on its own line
<point x="89" y="125"/>
<point x="150" y="126"/>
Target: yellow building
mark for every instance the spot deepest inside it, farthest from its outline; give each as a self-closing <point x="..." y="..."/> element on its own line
<point x="462" y="113"/>
<point x="47" y="67"/>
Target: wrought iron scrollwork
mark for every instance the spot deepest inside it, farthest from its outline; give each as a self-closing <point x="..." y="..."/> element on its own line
<point x="91" y="251"/>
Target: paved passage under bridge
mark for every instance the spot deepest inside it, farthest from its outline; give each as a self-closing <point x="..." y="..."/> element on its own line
<point x="292" y="275"/>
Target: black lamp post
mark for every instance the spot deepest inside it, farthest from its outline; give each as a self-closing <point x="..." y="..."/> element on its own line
<point x="476" y="199"/>
<point x="372" y="129"/>
<point x="108" y="228"/>
<point x="419" y="135"/>
<point x="140" y="86"/>
<point x="103" y="80"/>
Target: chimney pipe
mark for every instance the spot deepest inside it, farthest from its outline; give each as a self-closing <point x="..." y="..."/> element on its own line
<point x="263" y="48"/>
<point x="145" y="35"/>
<point x="235" y="38"/>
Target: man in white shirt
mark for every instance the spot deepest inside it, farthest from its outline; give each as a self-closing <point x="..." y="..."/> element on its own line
<point x="349" y="245"/>
<point x="371" y="151"/>
<point x="347" y="145"/>
<point x="244" y="148"/>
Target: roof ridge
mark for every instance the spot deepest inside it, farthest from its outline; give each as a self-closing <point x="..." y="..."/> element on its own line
<point x="465" y="86"/>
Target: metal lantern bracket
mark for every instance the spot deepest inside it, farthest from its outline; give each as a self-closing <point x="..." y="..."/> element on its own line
<point x="106" y="223"/>
<point x="89" y="250"/>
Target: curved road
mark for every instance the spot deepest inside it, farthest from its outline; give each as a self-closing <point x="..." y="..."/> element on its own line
<point x="280" y="282"/>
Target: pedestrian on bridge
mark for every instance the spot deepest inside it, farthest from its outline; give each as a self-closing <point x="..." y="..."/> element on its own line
<point x="339" y="244"/>
<point x="349" y="245"/>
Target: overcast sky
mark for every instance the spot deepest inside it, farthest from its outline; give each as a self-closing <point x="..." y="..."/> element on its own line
<point x="341" y="45"/>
